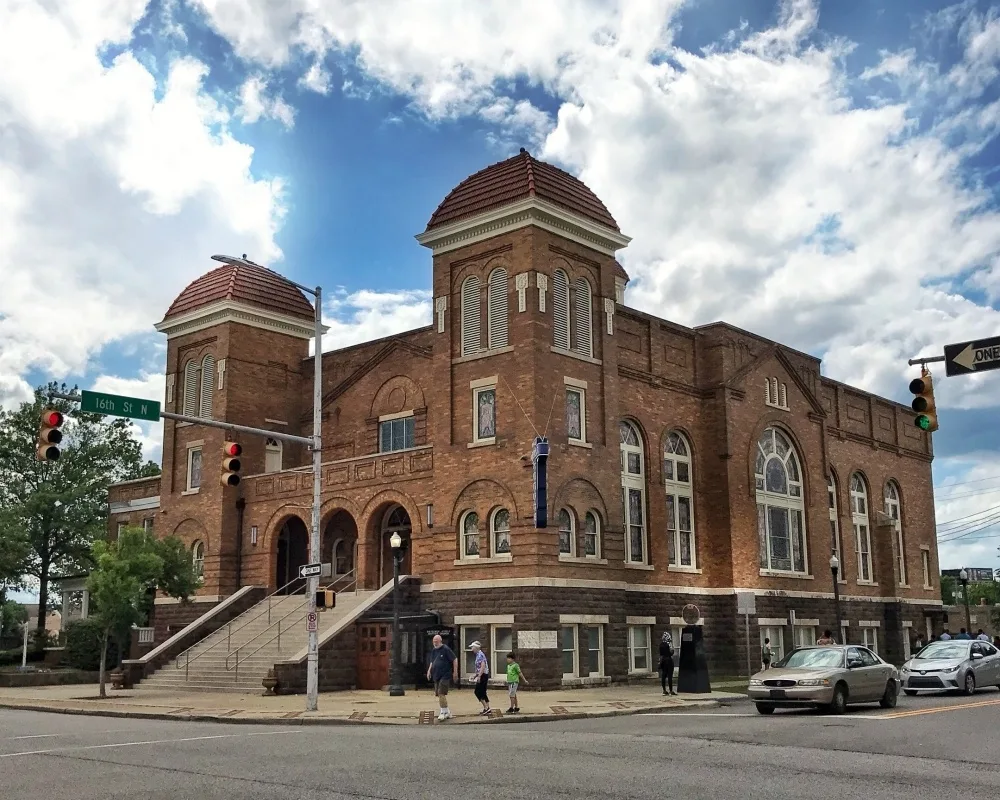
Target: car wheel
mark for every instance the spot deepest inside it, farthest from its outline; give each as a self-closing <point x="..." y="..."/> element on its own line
<point x="969" y="687"/>
<point x="910" y="692"/>
<point x="889" y="696"/>
<point x="838" y="705"/>
<point x="765" y="708"/>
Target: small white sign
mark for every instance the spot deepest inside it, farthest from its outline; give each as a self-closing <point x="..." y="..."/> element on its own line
<point x="310" y="570"/>
<point x="746" y="603"/>
<point x="312" y="622"/>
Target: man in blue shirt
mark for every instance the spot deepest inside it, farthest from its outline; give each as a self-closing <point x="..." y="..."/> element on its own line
<point x="442" y="670"/>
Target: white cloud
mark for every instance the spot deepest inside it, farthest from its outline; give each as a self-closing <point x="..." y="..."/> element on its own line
<point x="255" y="104"/>
<point x="967" y="507"/>
<point x="366" y="315"/>
<point x="146" y="386"/>
<point x="316" y="79"/>
<point x="113" y="191"/>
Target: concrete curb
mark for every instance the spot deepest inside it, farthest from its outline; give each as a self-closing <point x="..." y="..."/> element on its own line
<point x="335" y="721"/>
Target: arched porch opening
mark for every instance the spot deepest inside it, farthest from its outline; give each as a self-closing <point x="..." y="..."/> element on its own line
<point x="292" y="544"/>
<point x="386" y="520"/>
<point x="340" y="547"/>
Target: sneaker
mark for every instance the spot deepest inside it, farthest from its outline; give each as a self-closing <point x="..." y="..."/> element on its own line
<point x="442" y="717"/>
<point x="510" y="710"/>
<point x="447" y="713"/>
<point x="517" y="710"/>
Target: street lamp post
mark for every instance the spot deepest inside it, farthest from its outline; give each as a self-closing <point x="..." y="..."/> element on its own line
<point x="963" y="576"/>
<point x="834" y="569"/>
<point x="395" y="684"/>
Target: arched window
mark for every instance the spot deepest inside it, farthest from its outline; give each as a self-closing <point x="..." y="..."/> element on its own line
<point x="831" y="491"/>
<point x="500" y="531"/>
<point x="470" y="315"/>
<point x="781" y="524"/>
<point x="893" y="511"/>
<point x="198" y="558"/>
<point x="633" y="493"/>
<point x="496" y="309"/>
<point x="207" y="386"/>
<point x="272" y="455"/>
<point x="581" y="324"/>
<point x="862" y="527"/>
<point x="192" y="388"/>
<point x="591" y="535"/>
<point x="560" y="309"/>
<point x="678" y="481"/>
<point x="343" y="557"/>
<point x="469" y="528"/>
<point x="567" y="534"/>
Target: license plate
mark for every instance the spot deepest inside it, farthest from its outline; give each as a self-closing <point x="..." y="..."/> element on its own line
<point x="777" y="694"/>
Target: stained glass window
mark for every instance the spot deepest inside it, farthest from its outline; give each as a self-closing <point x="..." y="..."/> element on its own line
<point x="501" y="531"/>
<point x="780" y="510"/>
<point x="486" y="421"/>
<point x="574" y="414"/>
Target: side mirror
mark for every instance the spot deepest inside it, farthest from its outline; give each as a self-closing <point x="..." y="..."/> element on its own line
<point x="854" y="663"/>
<point x="976" y="656"/>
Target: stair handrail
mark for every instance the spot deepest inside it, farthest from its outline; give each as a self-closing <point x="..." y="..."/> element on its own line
<point x="186" y="654"/>
<point x="236" y="652"/>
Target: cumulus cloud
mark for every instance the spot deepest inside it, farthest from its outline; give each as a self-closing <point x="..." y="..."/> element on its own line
<point x="113" y="189"/>
<point x="256" y="104"/>
<point x="145" y="386"/>
<point x="362" y="316"/>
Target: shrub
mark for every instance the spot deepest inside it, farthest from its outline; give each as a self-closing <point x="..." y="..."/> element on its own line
<point x="83" y="646"/>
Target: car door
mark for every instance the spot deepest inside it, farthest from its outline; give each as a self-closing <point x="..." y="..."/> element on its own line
<point x="876" y="673"/>
<point x="858" y="676"/>
<point x="993" y="657"/>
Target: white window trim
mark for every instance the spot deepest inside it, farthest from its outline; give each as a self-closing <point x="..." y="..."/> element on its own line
<point x="497" y="303"/>
<point x="191" y="448"/>
<point x="571" y="676"/>
<point x="572" y="531"/>
<point x="198" y="563"/>
<point x="776" y="394"/>
<point x="598" y="549"/>
<point x="493" y="551"/>
<point x="897" y="524"/>
<point x="463" y="556"/>
<point x="777" y="642"/>
<point x="679" y="489"/>
<point x="392" y="418"/>
<point x="632" y="628"/>
<point x="270" y="449"/>
<point x="580" y="387"/>
<point x="629" y="482"/>
<point x="478" y="387"/>
<point x="470" y="312"/>
<point x="788" y="501"/>
<point x="838" y="542"/>
<point x="857" y="520"/>
<point x="487" y="627"/>
<point x="925" y="565"/>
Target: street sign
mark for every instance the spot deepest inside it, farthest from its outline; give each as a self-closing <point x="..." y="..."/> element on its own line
<point x="118" y="406"/>
<point x="980" y="355"/>
<point x="746" y="603"/>
<point x="310" y="570"/>
<point x="312" y="622"/>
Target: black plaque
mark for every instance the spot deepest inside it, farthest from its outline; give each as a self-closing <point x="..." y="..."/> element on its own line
<point x="692" y="671"/>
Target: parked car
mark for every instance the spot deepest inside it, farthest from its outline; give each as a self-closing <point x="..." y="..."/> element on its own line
<point x="828" y="677"/>
<point x="954" y="664"/>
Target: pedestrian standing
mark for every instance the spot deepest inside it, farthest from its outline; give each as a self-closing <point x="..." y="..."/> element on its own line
<point x="514" y="679"/>
<point x="826" y="638"/>
<point x="918" y="644"/>
<point x="945" y="636"/>
<point x="996" y="642"/>
<point x="442" y="670"/>
<point x="962" y="634"/>
<point x="482" y="677"/>
<point x="667" y="663"/>
<point x="982" y="636"/>
<point x="766" y="653"/>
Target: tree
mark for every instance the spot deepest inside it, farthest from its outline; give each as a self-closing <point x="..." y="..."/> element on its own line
<point x="988" y="591"/>
<point x="59" y="508"/>
<point x="125" y="571"/>
<point x="12" y="616"/>
<point x="948" y="586"/>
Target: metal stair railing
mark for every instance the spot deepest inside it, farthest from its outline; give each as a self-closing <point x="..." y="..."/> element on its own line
<point x="186" y="655"/>
<point x="277" y="635"/>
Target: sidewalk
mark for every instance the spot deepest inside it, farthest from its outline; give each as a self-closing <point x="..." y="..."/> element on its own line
<point x="416" y="707"/>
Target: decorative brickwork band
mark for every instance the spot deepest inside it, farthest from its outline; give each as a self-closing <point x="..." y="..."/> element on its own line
<point x="542" y="281"/>
<point x="171" y="378"/>
<point x="521" y="284"/>
<point x="440" y="306"/>
<point x="609" y="312"/>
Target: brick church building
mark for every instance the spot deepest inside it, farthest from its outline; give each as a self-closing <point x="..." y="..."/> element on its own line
<point x="687" y="464"/>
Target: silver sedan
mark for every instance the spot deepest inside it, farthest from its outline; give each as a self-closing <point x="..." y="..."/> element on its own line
<point x="950" y="665"/>
<point x="829" y="677"/>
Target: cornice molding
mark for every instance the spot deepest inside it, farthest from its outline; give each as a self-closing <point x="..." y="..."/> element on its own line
<point x="530" y="211"/>
<point x="229" y="311"/>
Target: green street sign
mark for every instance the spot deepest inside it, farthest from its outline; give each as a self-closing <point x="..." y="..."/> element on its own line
<point x="118" y="406"/>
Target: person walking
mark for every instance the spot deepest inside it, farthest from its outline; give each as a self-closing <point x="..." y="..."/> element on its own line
<point x="442" y="670"/>
<point x="514" y="679"/>
<point x="766" y="653"/>
<point x="482" y="678"/>
<point x="667" y="663"/>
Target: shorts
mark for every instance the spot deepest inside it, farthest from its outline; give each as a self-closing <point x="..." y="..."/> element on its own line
<point x="512" y="689"/>
<point x="441" y="688"/>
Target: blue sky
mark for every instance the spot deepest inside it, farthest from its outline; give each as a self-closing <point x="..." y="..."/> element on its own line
<point x="823" y="173"/>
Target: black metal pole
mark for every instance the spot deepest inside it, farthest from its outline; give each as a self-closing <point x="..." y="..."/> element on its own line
<point x="968" y="615"/>
<point x="836" y="604"/>
<point x="395" y="687"/>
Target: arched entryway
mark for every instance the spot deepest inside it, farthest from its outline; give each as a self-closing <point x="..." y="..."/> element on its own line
<point x="340" y="547"/>
<point x="292" y="545"/>
<point x="395" y="520"/>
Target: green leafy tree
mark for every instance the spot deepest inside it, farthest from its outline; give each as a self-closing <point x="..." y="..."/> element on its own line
<point x="58" y="509"/>
<point x="125" y="571"/>
<point x="988" y="591"/>
<point x="12" y="616"/>
<point x="948" y="587"/>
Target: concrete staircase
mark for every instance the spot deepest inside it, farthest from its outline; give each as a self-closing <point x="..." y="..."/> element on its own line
<point x="237" y="657"/>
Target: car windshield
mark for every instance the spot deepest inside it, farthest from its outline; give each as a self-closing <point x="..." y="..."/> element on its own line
<point x="813" y="657"/>
<point x="944" y="650"/>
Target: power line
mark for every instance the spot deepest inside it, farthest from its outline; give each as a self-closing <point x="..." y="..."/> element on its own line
<point x="989" y="510"/>
<point x="964" y="483"/>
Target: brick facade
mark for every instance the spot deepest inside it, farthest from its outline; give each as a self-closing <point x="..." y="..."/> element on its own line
<point x="718" y="386"/>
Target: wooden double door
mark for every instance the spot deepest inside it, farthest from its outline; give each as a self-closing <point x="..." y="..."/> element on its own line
<point x="374" y="654"/>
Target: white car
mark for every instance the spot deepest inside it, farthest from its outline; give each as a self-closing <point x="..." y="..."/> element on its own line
<point x="954" y="664"/>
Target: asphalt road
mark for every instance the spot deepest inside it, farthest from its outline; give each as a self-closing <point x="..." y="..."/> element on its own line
<point x="926" y="747"/>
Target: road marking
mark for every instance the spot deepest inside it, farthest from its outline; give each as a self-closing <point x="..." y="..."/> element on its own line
<point x="694" y="714"/>
<point x="51" y="735"/>
<point x="151" y="741"/>
<point x="941" y="709"/>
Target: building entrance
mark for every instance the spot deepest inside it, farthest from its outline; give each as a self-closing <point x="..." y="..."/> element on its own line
<point x="293" y="552"/>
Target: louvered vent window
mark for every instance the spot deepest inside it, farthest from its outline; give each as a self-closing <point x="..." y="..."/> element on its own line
<point x="470" y="316"/>
<point x="207" y="385"/>
<point x="582" y="326"/>
<point x="191" y="388"/>
<point x="497" y="308"/>
<point x="560" y="309"/>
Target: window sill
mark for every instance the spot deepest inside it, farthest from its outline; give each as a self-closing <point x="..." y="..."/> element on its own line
<point x="646" y="567"/>
<point x="184" y="424"/>
<point x="776" y="406"/>
<point x="578" y="356"/>
<point x="640" y="673"/>
<point x="483" y="354"/>
<point x="928" y="587"/>
<point x="679" y="568"/>
<point x="903" y="586"/>
<point x="482" y="442"/>
<point x="189" y="491"/>
<point x="468" y="562"/>
<point x="581" y="443"/>
<point x="593" y="680"/>
<point x="582" y="559"/>
<point x="867" y="583"/>
<point x="776" y="573"/>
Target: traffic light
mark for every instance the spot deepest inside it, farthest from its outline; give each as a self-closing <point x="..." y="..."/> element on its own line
<point x="231" y="452"/>
<point x="923" y="403"/>
<point x="49" y="435"/>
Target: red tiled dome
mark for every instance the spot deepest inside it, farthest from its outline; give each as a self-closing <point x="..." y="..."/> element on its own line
<point x="515" y="179"/>
<point x="243" y="283"/>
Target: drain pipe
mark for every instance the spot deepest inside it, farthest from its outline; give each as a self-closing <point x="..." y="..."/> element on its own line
<point x="241" y="504"/>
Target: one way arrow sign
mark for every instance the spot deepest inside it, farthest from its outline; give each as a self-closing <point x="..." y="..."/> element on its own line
<point x="980" y="355"/>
